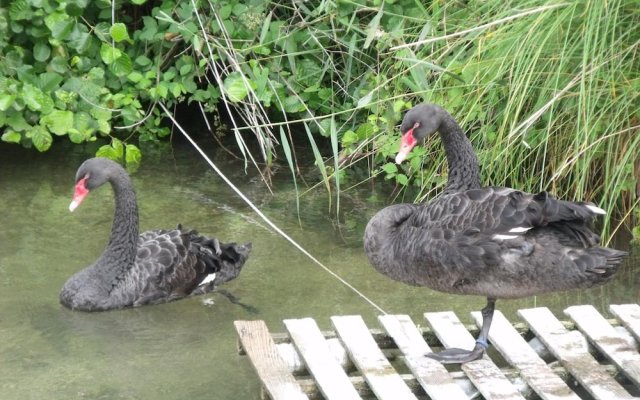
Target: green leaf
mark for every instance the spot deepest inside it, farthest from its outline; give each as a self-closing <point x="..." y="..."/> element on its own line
<point x="348" y="138"/>
<point x="402" y="179"/>
<point x="32" y="97"/>
<point x="11" y="136"/>
<point x="60" y="25"/>
<point x="109" y="54"/>
<point x="41" y="138"/>
<point x="135" y="77"/>
<point x="118" y="32"/>
<point x="20" y="10"/>
<point x="185" y="69"/>
<point x="373" y="27"/>
<point x="76" y="8"/>
<point x="16" y="121"/>
<point x="84" y="123"/>
<point x="293" y="104"/>
<point x="265" y="28"/>
<point x="41" y="51"/>
<point x="122" y="65"/>
<point x="6" y="100"/>
<point x="59" y="122"/>
<point x="364" y="101"/>
<point x="390" y="168"/>
<point x="235" y="87"/>
<point x="48" y="81"/>
<point x="76" y="136"/>
<point x="109" y="152"/>
<point x="133" y="156"/>
<point x="150" y="28"/>
<point x="143" y="61"/>
<point x="79" y="39"/>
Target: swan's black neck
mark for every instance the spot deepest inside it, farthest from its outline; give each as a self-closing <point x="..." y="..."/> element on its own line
<point x="464" y="171"/>
<point x="121" y="251"/>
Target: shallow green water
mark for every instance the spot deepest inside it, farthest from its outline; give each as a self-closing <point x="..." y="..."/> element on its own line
<point x="187" y="349"/>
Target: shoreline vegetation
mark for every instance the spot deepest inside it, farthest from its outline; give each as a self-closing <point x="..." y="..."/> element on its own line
<point x="548" y="91"/>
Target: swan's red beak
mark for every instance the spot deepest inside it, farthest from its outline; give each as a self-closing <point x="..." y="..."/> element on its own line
<point x="79" y="194"/>
<point x="407" y="143"/>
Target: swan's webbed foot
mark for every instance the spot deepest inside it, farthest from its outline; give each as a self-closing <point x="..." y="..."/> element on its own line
<point x="459" y="356"/>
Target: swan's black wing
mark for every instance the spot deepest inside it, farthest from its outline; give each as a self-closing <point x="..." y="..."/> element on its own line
<point x="500" y="242"/>
<point x="171" y="264"/>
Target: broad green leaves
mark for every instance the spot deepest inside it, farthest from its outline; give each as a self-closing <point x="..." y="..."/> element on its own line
<point x="59" y="122"/>
<point x="118" y="151"/>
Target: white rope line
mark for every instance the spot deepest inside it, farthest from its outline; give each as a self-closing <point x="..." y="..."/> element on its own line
<point x="264" y="217"/>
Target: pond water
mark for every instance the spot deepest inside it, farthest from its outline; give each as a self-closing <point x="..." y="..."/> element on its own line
<point x="187" y="349"/>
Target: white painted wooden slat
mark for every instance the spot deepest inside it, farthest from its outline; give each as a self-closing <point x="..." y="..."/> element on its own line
<point x="382" y="378"/>
<point x="432" y="376"/>
<point x="331" y="379"/>
<point x="570" y="348"/>
<point x="606" y="339"/>
<point x="484" y="374"/>
<point x="629" y="316"/>
<point x="262" y="351"/>
<point x="517" y="352"/>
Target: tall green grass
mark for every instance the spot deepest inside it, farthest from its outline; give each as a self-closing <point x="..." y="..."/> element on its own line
<point x="551" y="100"/>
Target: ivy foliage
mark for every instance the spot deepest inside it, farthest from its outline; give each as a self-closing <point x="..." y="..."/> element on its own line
<point x="85" y="69"/>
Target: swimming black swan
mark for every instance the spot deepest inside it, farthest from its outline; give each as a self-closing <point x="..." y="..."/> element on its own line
<point x="495" y="242"/>
<point x="155" y="267"/>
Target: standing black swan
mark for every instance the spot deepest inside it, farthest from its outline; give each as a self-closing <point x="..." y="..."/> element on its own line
<point x="495" y="242"/>
<point x="155" y="267"/>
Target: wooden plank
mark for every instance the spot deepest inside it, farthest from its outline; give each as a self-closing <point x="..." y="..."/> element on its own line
<point x="271" y="369"/>
<point x="331" y="379"/>
<point x="629" y="316"/>
<point x="484" y="374"/>
<point x="570" y="348"/>
<point x="606" y="339"/>
<point x="517" y="352"/>
<point x="369" y="359"/>
<point x="432" y="376"/>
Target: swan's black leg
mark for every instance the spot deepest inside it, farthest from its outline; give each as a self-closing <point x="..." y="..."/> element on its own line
<point x="459" y="356"/>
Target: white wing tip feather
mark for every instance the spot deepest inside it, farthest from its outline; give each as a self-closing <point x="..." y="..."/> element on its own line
<point x="519" y="229"/>
<point x="207" y="279"/>
<point x="595" y="209"/>
<point x="504" y="237"/>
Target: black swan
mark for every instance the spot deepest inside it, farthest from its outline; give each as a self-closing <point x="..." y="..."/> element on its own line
<point x="493" y="241"/>
<point x="155" y="267"/>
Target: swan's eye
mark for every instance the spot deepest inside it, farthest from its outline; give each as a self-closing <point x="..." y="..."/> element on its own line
<point x="416" y="125"/>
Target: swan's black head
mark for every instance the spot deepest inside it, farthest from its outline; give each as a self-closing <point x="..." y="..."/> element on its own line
<point x="92" y="173"/>
<point x="418" y="123"/>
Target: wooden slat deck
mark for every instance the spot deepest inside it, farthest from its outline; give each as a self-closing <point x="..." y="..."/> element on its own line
<point x="608" y="341"/>
<point x="571" y="349"/>
<point x="517" y="352"/>
<point x="484" y="374"/>
<point x="273" y="372"/>
<point x="592" y="355"/>
<point x="332" y="380"/>
<point x="629" y="315"/>
<point x="370" y="360"/>
<point x="432" y="376"/>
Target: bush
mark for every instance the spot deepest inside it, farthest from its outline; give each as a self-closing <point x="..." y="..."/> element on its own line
<point x="548" y="93"/>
